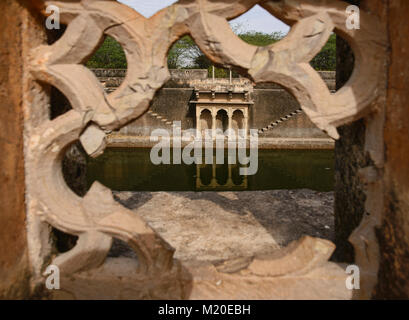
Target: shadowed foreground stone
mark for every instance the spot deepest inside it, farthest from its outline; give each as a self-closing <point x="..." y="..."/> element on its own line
<point x="227" y="245"/>
<point x="212" y="226"/>
<point x="203" y="281"/>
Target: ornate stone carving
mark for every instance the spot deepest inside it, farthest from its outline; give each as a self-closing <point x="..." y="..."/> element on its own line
<point x="97" y="218"/>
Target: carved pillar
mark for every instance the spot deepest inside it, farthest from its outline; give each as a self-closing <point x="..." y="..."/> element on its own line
<point x="244" y="182"/>
<point x="214" y="180"/>
<point x="198" y="181"/>
<point x="198" y="124"/>
<point x="246" y="122"/>
<point x="230" y="115"/>
<point x="229" y="179"/>
<point x="214" y="114"/>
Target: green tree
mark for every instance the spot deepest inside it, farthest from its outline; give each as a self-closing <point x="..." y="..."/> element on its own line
<point x="194" y="58"/>
<point x="326" y="60"/>
<point x="186" y="54"/>
<point x="180" y="52"/>
<point x="260" y="39"/>
<point x="109" y="56"/>
<point x="251" y="37"/>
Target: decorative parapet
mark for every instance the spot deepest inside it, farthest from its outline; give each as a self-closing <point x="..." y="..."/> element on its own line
<point x="223" y="85"/>
<point x="111" y="79"/>
<point x="188" y="74"/>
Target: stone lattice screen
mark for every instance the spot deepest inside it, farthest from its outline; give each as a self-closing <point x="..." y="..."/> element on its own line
<point x="97" y="218"/>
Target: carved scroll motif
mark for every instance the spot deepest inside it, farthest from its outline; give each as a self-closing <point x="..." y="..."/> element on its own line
<point x="97" y="218"/>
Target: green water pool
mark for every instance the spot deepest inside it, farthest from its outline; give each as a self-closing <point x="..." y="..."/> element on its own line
<point x="130" y="169"/>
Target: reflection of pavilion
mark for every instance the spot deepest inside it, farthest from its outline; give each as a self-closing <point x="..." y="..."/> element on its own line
<point x="214" y="184"/>
<point x="222" y="107"/>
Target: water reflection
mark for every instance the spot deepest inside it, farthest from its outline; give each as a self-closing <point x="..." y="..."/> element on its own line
<point x="210" y="177"/>
<point x="130" y="169"/>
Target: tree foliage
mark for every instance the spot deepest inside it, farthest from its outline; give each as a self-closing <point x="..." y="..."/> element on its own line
<point x="182" y="53"/>
<point x="260" y="39"/>
<point x="326" y="60"/>
<point x="186" y="54"/>
<point x="109" y="56"/>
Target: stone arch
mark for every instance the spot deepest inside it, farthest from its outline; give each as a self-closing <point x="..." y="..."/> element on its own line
<point x="222" y="120"/>
<point x="238" y="120"/>
<point x="205" y="120"/>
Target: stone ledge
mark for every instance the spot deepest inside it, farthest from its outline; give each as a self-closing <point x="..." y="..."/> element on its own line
<point x="263" y="143"/>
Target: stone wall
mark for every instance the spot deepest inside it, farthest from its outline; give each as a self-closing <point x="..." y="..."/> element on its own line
<point x="393" y="234"/>
<point x="188" y="74"/>
<point x="14" y="265"/>
<point x="180" y="78"/>
<point x="112" y="78"/>
<point x="171" y="103"/>
<point x="271" y="102"/>
<point x="269" y="105"/>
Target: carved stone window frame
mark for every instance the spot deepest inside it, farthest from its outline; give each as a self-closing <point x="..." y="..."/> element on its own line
<point x="97" y="218"/>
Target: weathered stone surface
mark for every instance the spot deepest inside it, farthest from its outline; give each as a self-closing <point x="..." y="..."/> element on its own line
<point x="270" y="105"/>
<point x="349" y="158"/>
<point x="203" y="281"/>
<point x="285" y="62"/>
<point x="185" y="78"/>
<point x="350" y="195"/>
<point x="93" y="139"/>
<point x="271" y="102"/>
<point x="326" y="282"/>
<point x="14" y="265"/>
<point x="212" y="226"/>
<point x="393" y="277"/>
